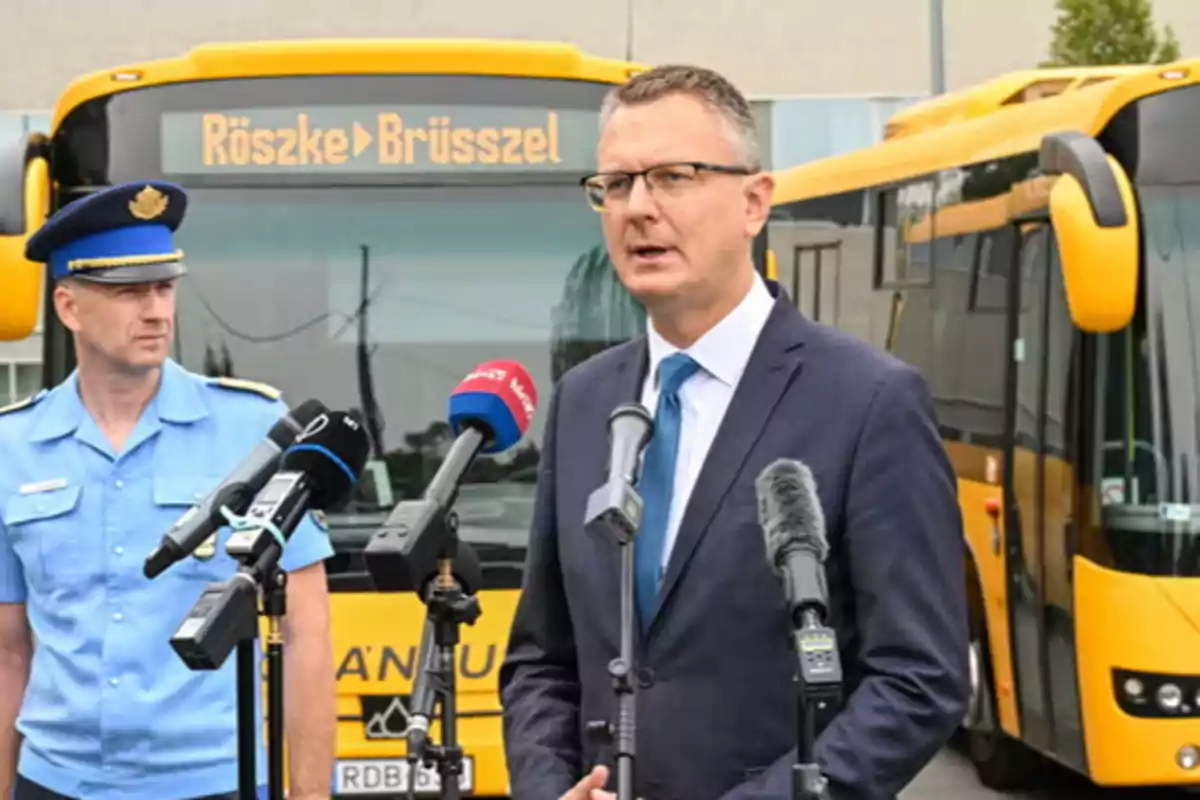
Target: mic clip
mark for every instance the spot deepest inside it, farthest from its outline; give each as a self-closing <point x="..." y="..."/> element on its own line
<point x="614" y="512"/>
<point x="819" y="678"/>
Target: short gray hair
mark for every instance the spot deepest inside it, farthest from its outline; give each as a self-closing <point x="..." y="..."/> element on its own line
<point x="707" y="86"/>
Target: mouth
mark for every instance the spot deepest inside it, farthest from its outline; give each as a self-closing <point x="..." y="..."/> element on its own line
<point x="649" y="251"/>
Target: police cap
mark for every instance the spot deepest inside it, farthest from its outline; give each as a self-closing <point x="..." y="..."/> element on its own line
<point x="121" y="234"/>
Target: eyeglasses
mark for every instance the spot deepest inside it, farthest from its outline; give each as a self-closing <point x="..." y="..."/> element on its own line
<point x="605" y="188"/>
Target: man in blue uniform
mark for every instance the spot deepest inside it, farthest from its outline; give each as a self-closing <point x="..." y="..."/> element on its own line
<point x="94" y="703"/>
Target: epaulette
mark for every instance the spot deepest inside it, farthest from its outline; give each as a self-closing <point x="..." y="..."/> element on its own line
<point x="26" y="403"/>
<point x="241" y="385"/>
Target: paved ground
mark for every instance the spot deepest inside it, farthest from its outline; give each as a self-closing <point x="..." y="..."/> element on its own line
<point x="951" y="777"/>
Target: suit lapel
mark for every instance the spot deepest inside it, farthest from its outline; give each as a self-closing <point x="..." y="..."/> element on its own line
<point x="774" y="363"/>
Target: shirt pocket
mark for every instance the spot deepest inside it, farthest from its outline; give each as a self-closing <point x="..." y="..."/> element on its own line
<point x="174" y="495"/>
<point x="49" y="536"/>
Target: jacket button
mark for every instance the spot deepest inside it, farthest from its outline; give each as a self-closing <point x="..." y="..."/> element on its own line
<point x="645" y="677"/>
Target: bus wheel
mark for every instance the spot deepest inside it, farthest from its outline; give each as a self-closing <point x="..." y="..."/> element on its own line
<point x="1001" y="762"/>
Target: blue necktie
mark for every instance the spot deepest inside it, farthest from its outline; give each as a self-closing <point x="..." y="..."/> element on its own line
<point x="658" y="482"/>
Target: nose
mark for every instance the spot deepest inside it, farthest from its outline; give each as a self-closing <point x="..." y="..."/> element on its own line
<point x="641" y="201"/>
<point x="156" y="304"/>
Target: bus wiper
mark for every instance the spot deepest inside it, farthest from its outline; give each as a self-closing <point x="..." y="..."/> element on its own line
<point x="372" y="416"/>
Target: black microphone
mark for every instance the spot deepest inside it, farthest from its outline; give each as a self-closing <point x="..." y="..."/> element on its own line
<point x="615" y="509"/>
<point x="793" y="524"/>
<point x="234" y="493"/>
<point x="317" y="473"/>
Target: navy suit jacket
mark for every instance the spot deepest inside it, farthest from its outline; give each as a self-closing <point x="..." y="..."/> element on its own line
<point x="716" y="707"/>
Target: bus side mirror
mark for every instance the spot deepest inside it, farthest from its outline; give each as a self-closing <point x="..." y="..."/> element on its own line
<point x="24" y="201"/>
<point x="1094" y="215"/>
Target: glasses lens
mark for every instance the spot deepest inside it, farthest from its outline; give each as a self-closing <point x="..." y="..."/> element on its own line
<point x="594" y="194"/>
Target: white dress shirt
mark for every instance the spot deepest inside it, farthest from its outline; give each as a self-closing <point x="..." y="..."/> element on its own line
<point x="722" y="354"/>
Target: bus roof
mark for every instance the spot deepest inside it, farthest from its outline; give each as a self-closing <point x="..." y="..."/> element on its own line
<point x="1011" y="88"/>
<point x="350" y="57"/>
<point x="1007" y="131"/>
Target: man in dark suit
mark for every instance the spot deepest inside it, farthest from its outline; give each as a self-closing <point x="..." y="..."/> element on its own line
<point x="736" y="379"/>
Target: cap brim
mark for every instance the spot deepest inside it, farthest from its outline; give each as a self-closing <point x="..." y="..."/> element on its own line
<point x="142" y="273"/>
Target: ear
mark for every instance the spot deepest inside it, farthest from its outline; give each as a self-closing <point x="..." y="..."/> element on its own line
<point x="759" y="190"/>
<point x="66" y="305"/>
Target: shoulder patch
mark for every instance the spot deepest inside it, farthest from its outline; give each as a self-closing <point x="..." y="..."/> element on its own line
<point x="28" y="402"/>
<point x="241" y="385"/>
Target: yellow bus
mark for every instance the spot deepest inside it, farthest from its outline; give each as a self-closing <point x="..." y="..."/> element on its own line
<point x="1040" y="263"/>
<point x="367" y="221"/>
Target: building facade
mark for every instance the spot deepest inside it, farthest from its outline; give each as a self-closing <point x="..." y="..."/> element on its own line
<point x="772" y="48"/>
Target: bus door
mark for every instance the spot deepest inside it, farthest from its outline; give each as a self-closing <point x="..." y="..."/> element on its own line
<point x="1024" y="471"/>
<point x="1040" y="492"/>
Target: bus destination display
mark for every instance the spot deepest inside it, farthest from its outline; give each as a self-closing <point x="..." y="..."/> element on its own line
<point x="362" y="139"/>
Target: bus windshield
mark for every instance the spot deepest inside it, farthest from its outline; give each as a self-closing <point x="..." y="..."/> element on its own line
<point x="1151" y="445"/>
<point x="380" y="300"/>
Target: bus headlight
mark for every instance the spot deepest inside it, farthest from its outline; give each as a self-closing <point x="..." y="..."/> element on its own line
<point x="1188" y="756"/>
<point x="1169" y="697"/>
<point x="1157" y="695"/>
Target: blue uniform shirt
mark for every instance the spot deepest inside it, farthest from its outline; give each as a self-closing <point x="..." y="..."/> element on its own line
<point x="111" y="711"/>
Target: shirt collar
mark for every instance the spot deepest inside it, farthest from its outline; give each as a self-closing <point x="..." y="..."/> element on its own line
<point x="725" y="349"/>
<point x="178" y="399"/>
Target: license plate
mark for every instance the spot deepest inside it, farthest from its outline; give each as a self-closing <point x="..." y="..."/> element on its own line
<point x="389" y="776"/>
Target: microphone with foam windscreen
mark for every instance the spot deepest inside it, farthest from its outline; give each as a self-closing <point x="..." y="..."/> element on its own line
<point x="793" y="524"/>
<point x="490" y="410"/>
<point x="317" y="473"/>
<point x="235" y="493"/>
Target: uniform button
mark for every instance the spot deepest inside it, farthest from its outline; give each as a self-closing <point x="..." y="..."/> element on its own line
<point x="645" y="677"/>
<point x="120" y="483"/>
<point x="118" y="616"/>
<point x="114" y="681"/>
<point x="119" y="550"/>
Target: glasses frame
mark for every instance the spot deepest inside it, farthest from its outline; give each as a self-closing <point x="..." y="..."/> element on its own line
<point x="699" y="166"/>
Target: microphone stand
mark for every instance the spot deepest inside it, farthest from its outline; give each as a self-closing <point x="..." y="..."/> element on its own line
<point x="818" y="684"/>
<point x="273" y="584"/>
<point x="447" y="608"/>
<point x="614" y="511"/>
<point x="246" y="718"/>
<point x="619" y="515"/>
<point x="620" y="669"/>
<point x="227" y="615"/>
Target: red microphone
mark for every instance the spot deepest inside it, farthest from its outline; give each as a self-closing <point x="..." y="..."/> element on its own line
<point x="498" y="398"/>
<point x="490" y="410"/>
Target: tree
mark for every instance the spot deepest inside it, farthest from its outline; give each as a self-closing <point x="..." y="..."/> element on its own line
<point x="1103" y="32"/>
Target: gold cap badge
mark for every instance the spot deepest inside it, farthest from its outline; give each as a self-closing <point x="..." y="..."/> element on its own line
<point x="149" y="203"/>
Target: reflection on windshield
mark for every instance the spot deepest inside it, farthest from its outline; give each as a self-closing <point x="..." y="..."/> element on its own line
<point x="381" y="301"/>
<point x="1149" y="383"/>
